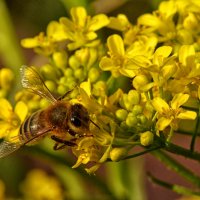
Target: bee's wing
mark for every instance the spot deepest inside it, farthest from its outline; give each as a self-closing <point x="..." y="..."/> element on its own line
<point x="32" y="80"/>
<point x="7" y="148"/>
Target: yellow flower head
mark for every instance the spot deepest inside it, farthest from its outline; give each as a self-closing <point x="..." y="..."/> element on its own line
<point x="118" y="60"/>
<point x="10" y="120"/>
<point x="46" y="44"/>
<point x="81" y="29"/>
<point x="169" y="114"/>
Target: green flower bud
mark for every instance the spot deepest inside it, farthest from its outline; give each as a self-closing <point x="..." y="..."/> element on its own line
<point x="60" y="59"/>
<point x="49" y="72"/>
<point x="73" y="62"/>
<point x="146" y="138"/>
<point x="121" y="114"/>
<point x="99" y="88"/>
<point x="127" y="104"/>
<point x="134" y="97"/>
<point x="63" y="80"/>
<point x="33" y="105"/>
<point x="62" y="89"/>
<point x="149" y="107"/>
<point x="140" y="81"/>
<point x="68" y="72"/>
<point x="6" y="78"/>
<point x="50" y="85"/>
<point x="123" y="125"/>
<point x="93" y="74"/>
<point x="44" y="103"/>
<point x="118" y="153"/>
<point x="137" y="109"/>
<point x="79" y="74"/>
<point x="142" y="119"/>
<point x="131" y="120"/>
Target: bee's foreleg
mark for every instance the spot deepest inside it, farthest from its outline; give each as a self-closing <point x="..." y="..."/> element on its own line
<point x="57" y="147"/>
<point x="61" y="141"/>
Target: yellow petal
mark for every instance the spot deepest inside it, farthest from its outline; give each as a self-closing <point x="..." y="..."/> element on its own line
<point x="106" y="64"/>
<point x="178" y="100"/>
<point x="79" y="15"/>
<point x="5" y="109"/>
<point x="21" y="110"/>
<point x="149" y="21"/>
<point x="161" y="53"/>
<point x="119" y="23"/>
<point x="4" y="127"/>
<point x="98" y="22"/>
<point x="187" y="55"/>
<point x="56" y="31"/>
<point x="160" y="105"/>
<point x="162" y="123"/>
<point x="12" y="136"/>
<point x="86" y="86"/>
<point x="116" y="44"/>
<point x="164" y="51"/>
<point x="30" y="42"/>
<point x="187" y="115"/>
<point x="69" y="25"/>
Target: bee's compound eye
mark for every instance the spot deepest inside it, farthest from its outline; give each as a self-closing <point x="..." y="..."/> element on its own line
<point x="76" y="121"/>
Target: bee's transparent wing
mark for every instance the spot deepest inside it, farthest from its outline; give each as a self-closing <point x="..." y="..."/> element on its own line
<point x="31" y="80"/>
<point x="7" y="148"/>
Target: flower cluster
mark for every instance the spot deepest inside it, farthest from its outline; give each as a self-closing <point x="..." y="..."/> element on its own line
<point x="137" y="87"/>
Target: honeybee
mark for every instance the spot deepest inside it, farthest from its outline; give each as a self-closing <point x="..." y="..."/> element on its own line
<point x="63" y="121"/>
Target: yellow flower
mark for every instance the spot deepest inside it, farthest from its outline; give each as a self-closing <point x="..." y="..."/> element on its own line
<point x="163" y="65"/>
<point x="118" y="60"/>
<point x="10" y="120"/>
<point x="160" y="23"/>
<point x="81" y="29"/>
<point x="46" y="44"/>
<point x="187" y="76"/>
<point x="169" y="115"/>
<point x="38" y="185"/>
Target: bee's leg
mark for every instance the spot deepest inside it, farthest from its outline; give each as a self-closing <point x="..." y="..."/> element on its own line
<point x="56" y="147"/>
<point x="63" y="142"/>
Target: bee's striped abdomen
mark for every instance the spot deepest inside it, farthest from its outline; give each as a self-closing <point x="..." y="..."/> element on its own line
<point x="30" y="127"/>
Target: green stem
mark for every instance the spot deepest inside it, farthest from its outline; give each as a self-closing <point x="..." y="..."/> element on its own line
<point x="142" y="152"/>
<point x="181" y="151"/>
<point x="170" y="134"/>
<point x="10" y="50"/>
<point x="177" y="167"/>
<point x="192" y="144"/>
<point x="176" y="188"/>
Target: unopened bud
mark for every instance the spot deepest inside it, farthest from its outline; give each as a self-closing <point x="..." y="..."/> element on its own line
<point x="146" y="138"/>
<point x="140" y="81"/>
<point x="60" y="59"/>
<point x="121" y="114"/>
<point x="118" y="153"/>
